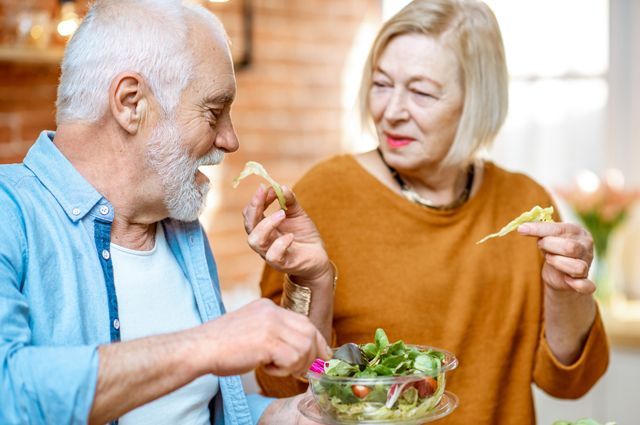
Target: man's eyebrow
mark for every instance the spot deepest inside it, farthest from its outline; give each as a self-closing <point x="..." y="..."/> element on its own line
<point x="221" y="99"/>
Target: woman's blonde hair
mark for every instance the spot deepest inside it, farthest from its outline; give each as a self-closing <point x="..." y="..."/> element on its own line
<point x="470" y="29"/>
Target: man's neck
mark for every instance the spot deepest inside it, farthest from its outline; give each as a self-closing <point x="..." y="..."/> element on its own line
<point x="116" y="169"/>
<point x="139" y="237"/>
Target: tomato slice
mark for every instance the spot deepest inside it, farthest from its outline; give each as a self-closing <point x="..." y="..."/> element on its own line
<point x="360" y="391"/>
<point x="426" y="387"/>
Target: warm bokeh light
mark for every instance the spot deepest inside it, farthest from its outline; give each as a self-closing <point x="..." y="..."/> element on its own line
<point x="67" y="27"/>
<point x="36" y="32"/>
<point x="69" y="20"/>
<point x="587" y="181"/>
<point x="614" y="178"/>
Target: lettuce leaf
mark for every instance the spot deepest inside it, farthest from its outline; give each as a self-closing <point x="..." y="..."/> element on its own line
<point x="537" y="213"/>
<point x="583" y="421"/>
<point x="252" y="167"/>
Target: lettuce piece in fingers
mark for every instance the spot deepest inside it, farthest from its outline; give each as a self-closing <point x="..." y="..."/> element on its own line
<point x="252" y="167"/>
<point x="537" y="213"/>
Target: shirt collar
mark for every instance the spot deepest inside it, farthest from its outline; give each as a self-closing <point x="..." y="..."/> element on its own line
<point x="76" y="196"/>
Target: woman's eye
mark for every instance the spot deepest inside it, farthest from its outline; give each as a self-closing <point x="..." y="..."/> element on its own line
<point x="380" y="84"/>
<point x="421" y="93"/>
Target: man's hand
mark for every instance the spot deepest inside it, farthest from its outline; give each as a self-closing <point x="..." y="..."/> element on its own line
<point x="259" y="334"/>
<point x="287" y="240"/>
<point x="568" y="252"/>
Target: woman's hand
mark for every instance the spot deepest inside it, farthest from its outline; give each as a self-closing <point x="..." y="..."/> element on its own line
<point x="285" y="411"/>
<point x="568" y="250"/>
<point x="287" y="240"/>
<point x="569" y="307"/>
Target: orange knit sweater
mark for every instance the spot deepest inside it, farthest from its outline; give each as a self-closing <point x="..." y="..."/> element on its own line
<point x="419" y="274"/>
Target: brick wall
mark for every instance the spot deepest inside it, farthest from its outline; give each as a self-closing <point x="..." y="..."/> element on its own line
<point x="288" y="113"/>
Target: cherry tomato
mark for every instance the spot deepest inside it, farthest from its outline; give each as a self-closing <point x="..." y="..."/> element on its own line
<point x="426" y="387"/>
<point x="360" y="391"/>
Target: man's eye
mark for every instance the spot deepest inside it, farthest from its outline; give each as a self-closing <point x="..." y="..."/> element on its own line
<point x="214" y="114"/>
<point x="380" y="84"/>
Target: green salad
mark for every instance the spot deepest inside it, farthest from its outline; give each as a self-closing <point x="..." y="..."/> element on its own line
<point x="379" y="380"/>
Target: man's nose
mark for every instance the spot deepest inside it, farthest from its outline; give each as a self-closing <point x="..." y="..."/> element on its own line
<point x="226" y="138"/>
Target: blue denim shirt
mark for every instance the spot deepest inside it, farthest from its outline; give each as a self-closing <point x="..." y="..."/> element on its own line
<point x="57" y="296"/>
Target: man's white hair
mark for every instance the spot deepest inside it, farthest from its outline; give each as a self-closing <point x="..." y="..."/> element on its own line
<point x="149" y="37"/>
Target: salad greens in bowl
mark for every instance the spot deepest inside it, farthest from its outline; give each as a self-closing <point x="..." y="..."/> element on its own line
<point x="381" y="382"/>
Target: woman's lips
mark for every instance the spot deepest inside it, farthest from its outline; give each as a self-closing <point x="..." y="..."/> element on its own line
<point x="398" y="141"/>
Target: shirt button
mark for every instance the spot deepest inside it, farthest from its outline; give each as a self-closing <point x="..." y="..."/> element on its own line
<point x="192" y="240"/>
<point x="105" y="254"/>
<point x="75" y="211"/>
<point x="116" y="324"/>
<point x="104" y="210"/>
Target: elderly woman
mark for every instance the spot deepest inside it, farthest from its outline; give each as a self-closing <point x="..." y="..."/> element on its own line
<point x="401" y="224"/>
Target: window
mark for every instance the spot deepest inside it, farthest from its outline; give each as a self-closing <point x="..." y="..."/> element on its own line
<point x="557" y="53"/>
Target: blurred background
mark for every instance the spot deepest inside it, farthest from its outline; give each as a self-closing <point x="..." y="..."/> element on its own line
<point x="573" y="125"/>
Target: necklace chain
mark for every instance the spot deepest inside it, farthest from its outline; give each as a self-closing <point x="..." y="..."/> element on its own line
<point x="413" y="196"/>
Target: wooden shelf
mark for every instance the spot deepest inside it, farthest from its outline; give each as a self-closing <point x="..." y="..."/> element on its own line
<point x="50" y="55"/>
<point x="622" y="322"/>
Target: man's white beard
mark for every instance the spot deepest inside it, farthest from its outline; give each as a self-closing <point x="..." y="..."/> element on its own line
<point x="183" y="197"/>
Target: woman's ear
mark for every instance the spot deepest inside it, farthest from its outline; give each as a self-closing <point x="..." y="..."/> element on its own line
<point x="128" y="101"/>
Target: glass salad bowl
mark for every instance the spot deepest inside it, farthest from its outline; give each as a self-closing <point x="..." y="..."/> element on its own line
<point x="380" y="383"/>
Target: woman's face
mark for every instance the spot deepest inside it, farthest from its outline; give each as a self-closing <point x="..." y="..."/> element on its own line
<point x="416" y="101"/>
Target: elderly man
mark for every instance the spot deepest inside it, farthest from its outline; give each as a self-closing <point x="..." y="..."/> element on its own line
<point x="109" y="302"/>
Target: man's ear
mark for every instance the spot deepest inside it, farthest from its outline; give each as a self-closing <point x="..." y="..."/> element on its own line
<point x="128" y="100"/>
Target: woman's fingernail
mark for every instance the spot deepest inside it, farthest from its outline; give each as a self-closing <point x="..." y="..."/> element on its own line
<point x="524" y="228"/>
<point x="278" y="215"/>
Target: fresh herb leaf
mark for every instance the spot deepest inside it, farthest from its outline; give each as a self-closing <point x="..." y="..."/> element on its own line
<point x="349" y="353"/>
<point x="370" y="350"/>
<point x="381" y="339"/>
<point x="427" y="363"/>
<point x="339" y="368"/>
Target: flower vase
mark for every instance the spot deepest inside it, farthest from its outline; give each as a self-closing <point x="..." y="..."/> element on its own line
<point x="602" y="278"/>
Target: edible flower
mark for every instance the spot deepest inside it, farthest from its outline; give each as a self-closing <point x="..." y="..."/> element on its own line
<point x="318" y="366"/>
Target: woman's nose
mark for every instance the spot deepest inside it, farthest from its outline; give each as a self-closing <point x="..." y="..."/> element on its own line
<point x="396" y="109"/>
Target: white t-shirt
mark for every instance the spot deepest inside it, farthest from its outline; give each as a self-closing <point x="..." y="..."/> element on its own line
<point x="155" y="297"/>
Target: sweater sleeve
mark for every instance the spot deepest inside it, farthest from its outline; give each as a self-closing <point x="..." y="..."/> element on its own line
<point x="575" y="380"/>
<point x="316" y="181"/>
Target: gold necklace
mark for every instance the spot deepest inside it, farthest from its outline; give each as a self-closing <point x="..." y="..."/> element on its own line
<point x="413" y="196"/>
